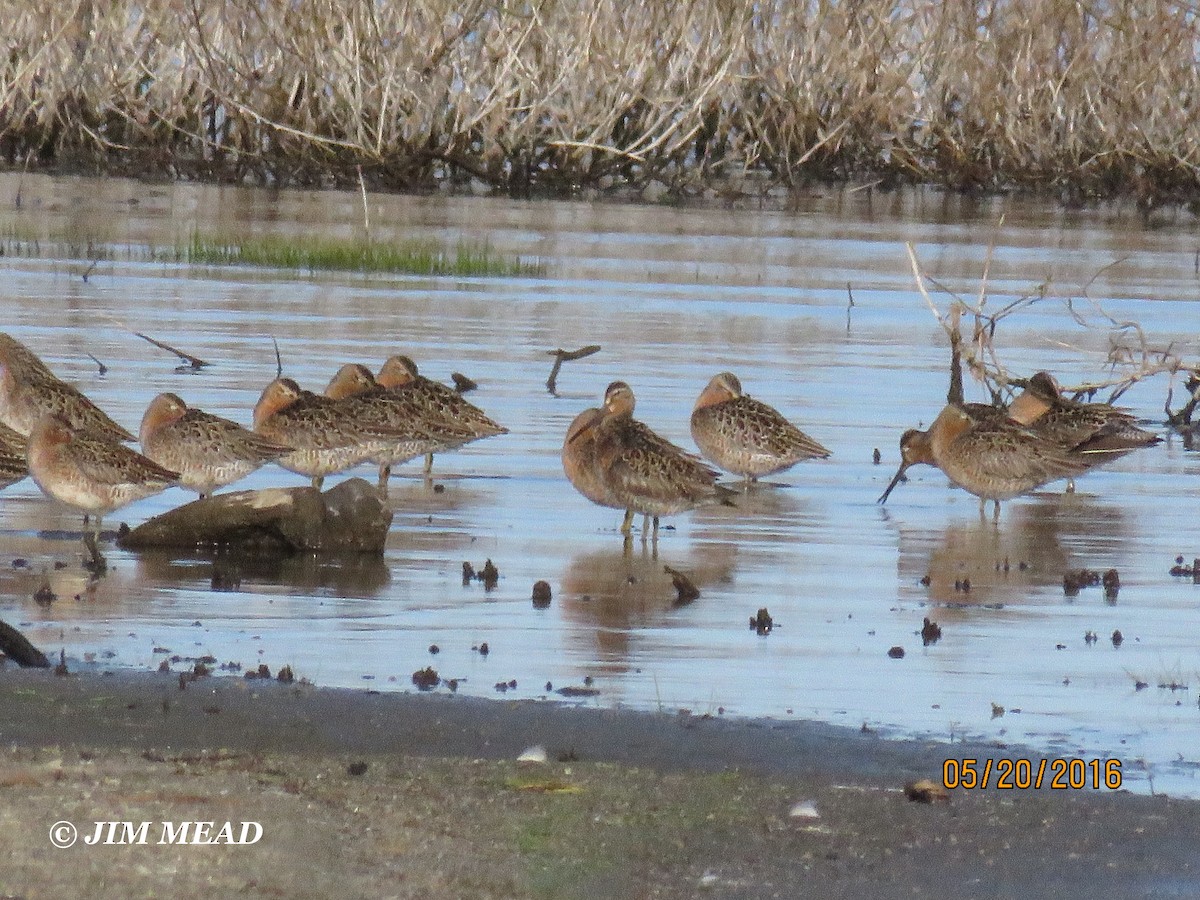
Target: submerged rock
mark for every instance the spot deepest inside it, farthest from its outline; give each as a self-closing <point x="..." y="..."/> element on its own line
<point x="349" y="517"/>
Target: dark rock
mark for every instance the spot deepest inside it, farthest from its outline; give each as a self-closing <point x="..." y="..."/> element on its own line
<point x="541" y="594"/>
<point x="896" y="652"/>
<point x="350" y="517"/>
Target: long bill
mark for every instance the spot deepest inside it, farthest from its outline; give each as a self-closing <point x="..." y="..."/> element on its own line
<point x="896" y="479"/>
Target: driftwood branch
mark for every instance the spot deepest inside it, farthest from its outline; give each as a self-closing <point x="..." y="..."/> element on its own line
<point x="193" y="362"/>
<point x="561" y="356"/>
<point x="17" y="647"/>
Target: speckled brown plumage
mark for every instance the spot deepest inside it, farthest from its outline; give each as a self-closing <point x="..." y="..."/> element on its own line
<point x="990" y="456"/>
<point x="30" y="391"/>
<point x="745" y="436"/>
<point x="208" y="451"/>
<point x="13" y="466"/>
<point x="327" y="435"/>
<point x="444" y="412"/>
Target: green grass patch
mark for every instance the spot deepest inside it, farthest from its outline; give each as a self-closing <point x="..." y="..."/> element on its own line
<point x="307" y="254"/>
<point x="314" y="254"/>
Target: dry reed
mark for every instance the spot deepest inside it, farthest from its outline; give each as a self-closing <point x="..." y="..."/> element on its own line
<point x="1080" y="98"/>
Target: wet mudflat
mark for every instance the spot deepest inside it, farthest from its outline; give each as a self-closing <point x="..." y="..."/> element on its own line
<point x="673" y="296"/>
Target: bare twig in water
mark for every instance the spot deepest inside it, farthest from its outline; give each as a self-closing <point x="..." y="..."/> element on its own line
<point x="462" y="383"/>
<point x="88" y="270"/>
<point x="849" y="306"/>
<point x="278" y="359"/>
<point x="193" y="362"/>
<point x="561" y="356"/>
<point x="103" y="368"/>
<point x="362" y="186"/>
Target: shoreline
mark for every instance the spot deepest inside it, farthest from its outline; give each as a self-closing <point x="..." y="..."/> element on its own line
<point x="421" y="796"/>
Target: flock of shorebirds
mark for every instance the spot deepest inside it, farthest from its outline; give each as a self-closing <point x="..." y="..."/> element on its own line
<point x="78" y="455"/>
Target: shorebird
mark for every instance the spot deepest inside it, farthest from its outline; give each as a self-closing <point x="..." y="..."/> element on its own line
<point x="746" y="436"/>
<point x="986" y="454"/>
<point x="641" y="470"/>
<point x="579" y="463"/>
<point x="29" y="391"/>
<point x="441" y="407"/>
<point x="396" y="410"/>
<point x="1097" y="432"/>
<point x="13" y="466"/>
<point x="207" y="450"/>
<point x="326" y="435"/>
<point x="91" y="472"/>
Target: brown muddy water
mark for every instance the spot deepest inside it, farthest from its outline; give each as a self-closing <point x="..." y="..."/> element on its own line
<point x="673" y="296"/>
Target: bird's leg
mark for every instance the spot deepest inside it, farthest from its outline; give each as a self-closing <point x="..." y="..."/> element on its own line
<point x="91" y="540"/>
<point x="656" y="529"/>
<point x="385" y="472"/>
<point x="428" y="464"/>
<point x="317" y="481"/>
<point x="996" y="511"/>
<point x="627" y="523"/>
<point x="1070" y="485"/>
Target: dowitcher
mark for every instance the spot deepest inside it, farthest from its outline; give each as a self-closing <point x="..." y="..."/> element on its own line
<point x="327" y="435"/>
<point x="579" y="463"/>
<point x="746" y="436"/>
<point x="29" y="391"/>
<point x="641" y="470"/>
<point x="207" y="451"/>
<point x="442" y="408"/>
<point x="988" y="455"/>
<point x="396" y="410"/>
<point x="13" y="466"/>
<point x="1097" y="432"/>
<point x="91" y="472"/>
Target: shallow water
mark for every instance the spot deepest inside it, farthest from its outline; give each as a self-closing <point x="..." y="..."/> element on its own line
<point x="673" y="296"/>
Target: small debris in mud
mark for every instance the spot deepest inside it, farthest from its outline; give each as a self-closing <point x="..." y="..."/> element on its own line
<point x="1139" y="685"/>
<point x="20" y="563"/>
<point x="164" y="666"/>
<point x="1089" y="638"/>
<point x="468" y="573"/>
<point x="1172" y="685"/>
<point x="568" y="755"/>
<point x="587" y="679"/>
<point x="435" y="649"/>
<point x="761" y="622"/>
<point x="452" y="684"/>
<point x="357" y="768"/>
<point x="462" y="383"/>
<point x="963" y="584"/>
<point x="685" y="590"/>
<point x="489" y="576"/>
<point x="439" y="488"/>
<point x="926" y="791"/>
<point x="1192" y="571"/>
<point x="285" y="675"/>
<point x="1117" y="638"/>
<point x="931" y="632"/>
<point x="231" y="666"/>
<point x="541" y="594"/>
<point x="997" y="710"/>
<point x="533" y="755"/>
<point x="200" y="670"/>
<point x="926" y="581"/>
<point x="261" y="672"/>
<point x="804" y="809"/>
<point x="59" y="565"/>
<point x="43" y="596"/>
<point x="425" y="679"/>
<point x="876" y="457"/>
<point x="481" y="649"/>
<point x="1112" y="584"/>
<point x="506" y="686"/>
<point x="896" y="652"/>
<point x="225" y="579"/>
<point x="549" y="686"/>
<point x="1060" y="646"/>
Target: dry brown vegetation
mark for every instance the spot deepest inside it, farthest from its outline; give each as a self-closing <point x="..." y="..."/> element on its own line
<point x="1081" y="98"/>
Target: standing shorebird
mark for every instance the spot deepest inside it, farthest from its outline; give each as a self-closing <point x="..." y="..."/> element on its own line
<point x="640" y="470"/>
<point x="207" y="451"/>
<point x="395" y="410"/>
<point x="441" y="407"/>
<point x="91" y="472"/>
<point x="29" y="391"/>
<point x="745" y="436"/>
<point x="326" y="435"/>
<point x="13" y="466"/>
<point x="990" y="456"/>
<point x="580" y="466"/>
<point x="1096" y="432"/>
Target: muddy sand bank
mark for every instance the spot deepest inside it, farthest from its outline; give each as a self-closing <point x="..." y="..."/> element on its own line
<point x="369" y="794"/>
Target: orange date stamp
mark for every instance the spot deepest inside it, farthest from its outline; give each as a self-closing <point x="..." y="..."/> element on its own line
<point x="1062" y="774"/>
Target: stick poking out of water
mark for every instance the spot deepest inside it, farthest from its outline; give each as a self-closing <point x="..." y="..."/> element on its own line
<point x="561" y="356"/>
<point x="194" y="362"/>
